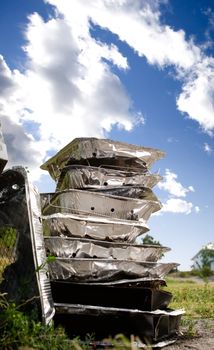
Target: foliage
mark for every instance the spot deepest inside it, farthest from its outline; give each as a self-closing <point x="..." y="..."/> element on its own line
<point x="206" y="258"/>
<point x="147" y="239"/>
<point x="196" y="298"/>
<point x="7" y="236"/>
<point x="18" y="330"/>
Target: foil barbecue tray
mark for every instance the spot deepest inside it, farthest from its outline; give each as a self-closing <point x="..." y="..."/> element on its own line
<point x="75" y="176"/>
<point x="97" y="270"/>
<point x="3" y="152"/>
<point x="99" y="228"/>
<point x="150" y="326"/>
<point x="143" y="298"/>
<point x="101" y="151"/>
<point x="127" y="192"/>
<point x="85" y="248"/>
<point x="92" y="203"/>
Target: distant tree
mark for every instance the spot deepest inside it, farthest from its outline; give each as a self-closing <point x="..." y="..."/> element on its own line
<point x="147" y="239"/>
<point x="204" y="266"/>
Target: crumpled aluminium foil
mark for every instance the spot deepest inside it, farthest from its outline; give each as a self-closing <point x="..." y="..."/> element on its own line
<point x="94" y="227"/>
<point x="80" y="176"/>
<point x="95" y="270"/>
<point x="92" y="203"/>
<point x="101" y="152"/>
<point x="65" y="247"/>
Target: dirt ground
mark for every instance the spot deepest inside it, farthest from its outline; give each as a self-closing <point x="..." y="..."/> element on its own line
<point x="202" y="337"/>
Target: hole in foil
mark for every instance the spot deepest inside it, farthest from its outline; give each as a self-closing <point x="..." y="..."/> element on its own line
<point x="105" y="183"/>
<point x="112" y="210"/>
<point x="92" y="208"/>
<point x="74" y="255"/>
<point x="94" y="154"/>
<point x="15" y="187"/>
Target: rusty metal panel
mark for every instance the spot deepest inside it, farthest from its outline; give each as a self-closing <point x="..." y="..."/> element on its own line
<point x="105" y="269"/>
<point x="98" y="151"/>
<point x="91" y="203"/>
<point x="3" y="152"/>
<point x="80" y="176"/>
<point x="100" y="228"/>
<point x="85" y="248"/>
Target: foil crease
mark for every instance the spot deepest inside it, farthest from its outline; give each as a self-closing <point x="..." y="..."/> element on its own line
<point x="98" y="151"/>
<point x="105" y="269"/>
<point x="100" y="228"/>
<point x="85" y="248"/>
<point x="92" y="203"/>
<point x="78" y="177"/>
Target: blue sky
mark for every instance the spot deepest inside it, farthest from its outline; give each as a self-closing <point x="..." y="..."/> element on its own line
<point x="136" y="71"/>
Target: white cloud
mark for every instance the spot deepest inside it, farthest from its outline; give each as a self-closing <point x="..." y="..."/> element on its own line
<point x="197" y="209"/>
<point x="172" y="186"/>
<point x="175" y="189"/>
<point x="207" y="148"/>
<point x="197" y="95"/>
<point x="139" y="25"/>
<point x="68" y="89"/>
<point x="177" y="206"/>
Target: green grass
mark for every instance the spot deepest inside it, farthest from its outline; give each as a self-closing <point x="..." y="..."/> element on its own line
<point x="196" y="298"/>
<point x="17" y="329"/>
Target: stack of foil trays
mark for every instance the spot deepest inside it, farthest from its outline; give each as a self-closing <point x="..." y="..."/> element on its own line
<point x="102" y="281"/>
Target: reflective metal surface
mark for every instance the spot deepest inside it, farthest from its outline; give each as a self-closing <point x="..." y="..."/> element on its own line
<point x="20" y="212"/>
<point x="85" y="248"/>
<point x="100" y="152"/>
<point x="3" y="152"/>
<point x="95" y="227"/>
<point x="80" y="176"/>
<point x="91" y="203"/>
<point x="105" y="269"/>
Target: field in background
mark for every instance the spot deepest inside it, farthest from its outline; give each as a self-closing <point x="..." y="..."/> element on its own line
<point x="197" y="298"/>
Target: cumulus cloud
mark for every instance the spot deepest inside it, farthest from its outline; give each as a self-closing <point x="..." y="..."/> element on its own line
<point x="67" y="87"/>
<point x="197" y="96"/>
<point x="139" y="25"/>
<point x="177" y="205"/>
<point x="67" y="90"/>
<point x="175" y="190"/>
<point x="172" y="186"/>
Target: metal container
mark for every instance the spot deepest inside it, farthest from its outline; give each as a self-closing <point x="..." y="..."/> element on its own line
<point x="80" y="176"/>
<point x="86" y="248"/>
<point x="94" y="270"/>
<point x="133" y="297"/>
<point x="94" y="227"/>
<point x="96" y="152"/>
<point x="91" y="203"/>
<point x="150" y="326"/>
